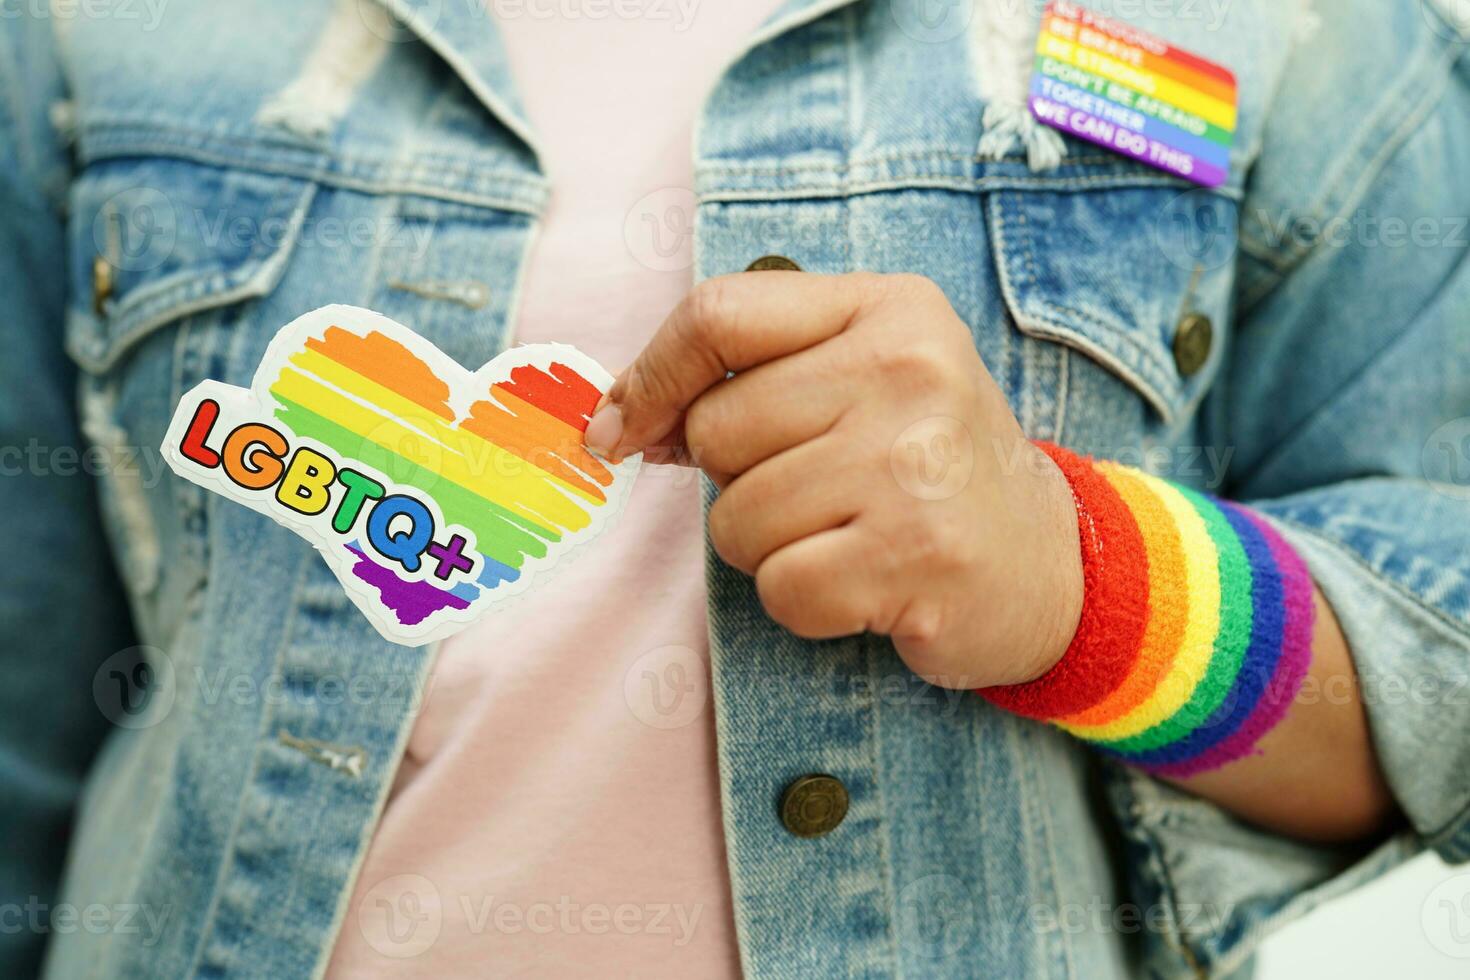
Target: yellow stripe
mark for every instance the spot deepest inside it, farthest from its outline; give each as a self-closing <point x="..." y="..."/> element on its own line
<point x="1140" y="80"/>
<point x="498" y="476"/>
<point x="1202" y="582"/>
<point x="478" y="451"/>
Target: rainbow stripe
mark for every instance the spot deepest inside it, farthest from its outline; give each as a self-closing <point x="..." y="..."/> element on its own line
<point x="1222" y="642"/>
<point x="512" y="469"/>
<point x="1111" y="84"/>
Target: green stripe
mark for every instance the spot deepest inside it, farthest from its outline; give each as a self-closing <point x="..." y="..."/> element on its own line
<point x="1236" y="617"/>
<point x="1174" y="115"/>
<point x="499" y="533"/>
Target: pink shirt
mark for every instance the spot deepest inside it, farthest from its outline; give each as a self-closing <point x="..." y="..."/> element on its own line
<point x="557" y="810"/>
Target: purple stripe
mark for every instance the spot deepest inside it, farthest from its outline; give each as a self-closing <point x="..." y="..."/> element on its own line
<point x="1202" y="147"/>
<point x="1258" y="665"/>
<point x="1291" y="667"/>
<point x="1179" y="163"/>
<point x="411" y="602"/>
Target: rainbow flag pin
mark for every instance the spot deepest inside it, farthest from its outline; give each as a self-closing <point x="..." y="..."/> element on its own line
<point x="1111" y="84"/>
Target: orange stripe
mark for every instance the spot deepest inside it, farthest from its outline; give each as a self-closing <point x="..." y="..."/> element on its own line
<point x="1148" y="61"/>
<point x="390" y="364"/>
<point x="537" y="437"/>
<point x="1168" y="608"/>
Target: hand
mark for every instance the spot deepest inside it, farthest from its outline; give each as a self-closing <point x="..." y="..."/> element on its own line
<point x="873" y="476"/>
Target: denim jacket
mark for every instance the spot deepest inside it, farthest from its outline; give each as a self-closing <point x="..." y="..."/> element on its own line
<point x="179" y="180"/>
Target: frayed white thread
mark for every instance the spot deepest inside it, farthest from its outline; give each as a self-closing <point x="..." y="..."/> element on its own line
<point x="1003" y="42"/>
<point x="348" y="52"/>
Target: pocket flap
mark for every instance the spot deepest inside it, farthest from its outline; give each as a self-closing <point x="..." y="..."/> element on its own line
<point x="1112" y="273"/>
<point x="153" y="240"/>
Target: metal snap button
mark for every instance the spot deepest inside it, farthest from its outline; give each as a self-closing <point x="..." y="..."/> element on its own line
<point x="102" y="283"/>
<point x="773" y="263"/>
<point x="1193" y="339"/>
<point x="813" y="805"/>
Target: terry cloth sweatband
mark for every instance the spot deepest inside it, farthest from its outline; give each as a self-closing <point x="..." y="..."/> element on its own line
<point x="1196" y="627"/>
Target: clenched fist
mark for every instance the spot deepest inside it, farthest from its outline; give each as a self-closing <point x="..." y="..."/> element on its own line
<point x="872" y="475"/>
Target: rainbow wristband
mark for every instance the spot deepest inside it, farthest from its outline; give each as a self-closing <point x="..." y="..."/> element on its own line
<point x="1196" y="628"/>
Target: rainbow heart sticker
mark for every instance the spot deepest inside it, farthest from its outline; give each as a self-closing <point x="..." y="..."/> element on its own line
<point x="433" y="492"/>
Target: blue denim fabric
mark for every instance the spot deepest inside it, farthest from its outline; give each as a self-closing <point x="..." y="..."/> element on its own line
<point x="228" y="197"/>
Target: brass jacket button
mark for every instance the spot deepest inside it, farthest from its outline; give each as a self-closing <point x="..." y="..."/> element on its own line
<point x="776" y="263"/>
<point x="813" y="805"/>
<point x="1192" y="341"/>
<point x="101" y="283"/>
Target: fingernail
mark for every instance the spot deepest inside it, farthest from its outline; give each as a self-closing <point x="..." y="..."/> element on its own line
<point x="605" y="430"/>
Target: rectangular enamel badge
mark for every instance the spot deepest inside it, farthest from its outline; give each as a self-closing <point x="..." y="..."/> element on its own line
<point x="1114" y="85"/>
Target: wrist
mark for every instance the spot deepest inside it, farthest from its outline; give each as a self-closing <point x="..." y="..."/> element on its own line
<point x="1059" y="608"/>
<point x="1195" y="630"/>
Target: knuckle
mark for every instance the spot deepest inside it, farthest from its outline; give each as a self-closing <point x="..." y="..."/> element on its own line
<point x="926" y="544"/>
<point x="780" y="588"/>
<point x="705" y="427"/>
<point x="871" y="285"/>
<point x="710" y="309"/>
<point x="724" y="529"/>
<point x="651" y="381"/>
<point x="918" y="366"/>
<point x="917" y="286"/>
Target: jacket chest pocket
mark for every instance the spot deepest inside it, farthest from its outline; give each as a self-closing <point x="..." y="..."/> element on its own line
<point x="1138" y="280"/>
<point x="1098" y="304"/>
<point x="183" y="271"/>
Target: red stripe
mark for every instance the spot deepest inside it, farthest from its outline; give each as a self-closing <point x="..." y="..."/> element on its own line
<point x="1128" y="34"/>
<point x="1114" y="605"/>
<point x="563" y="393"/>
